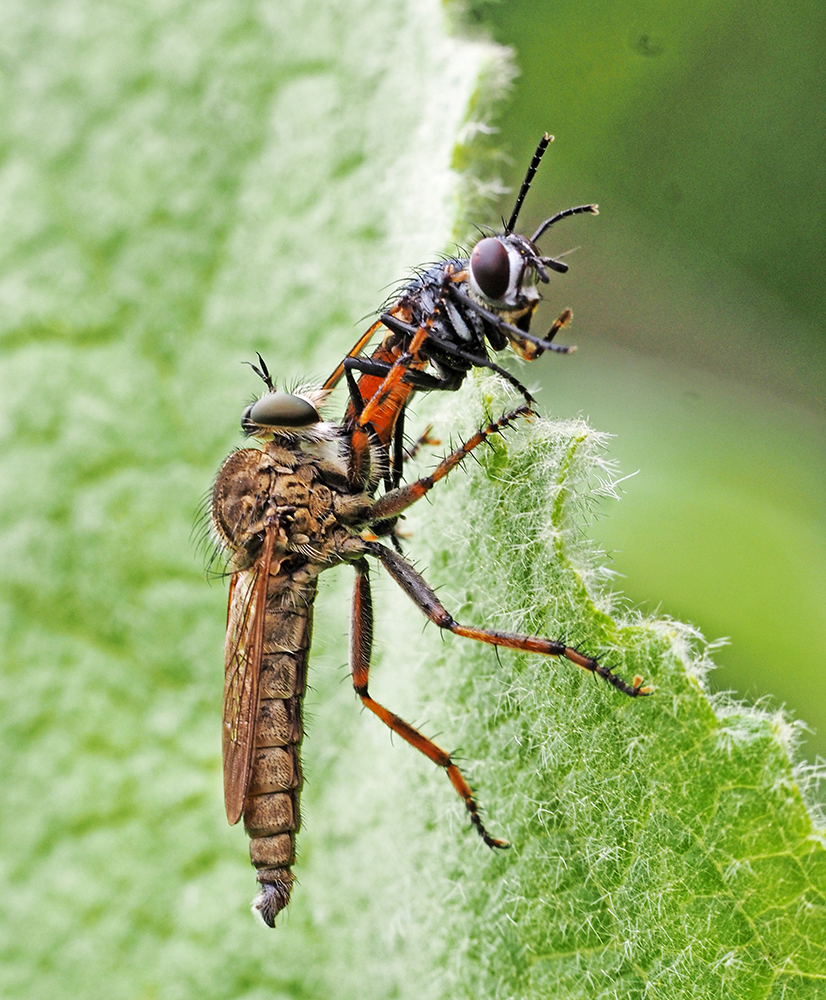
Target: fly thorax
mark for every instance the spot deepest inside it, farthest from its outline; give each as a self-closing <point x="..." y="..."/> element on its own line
<point x="239" y="498"/>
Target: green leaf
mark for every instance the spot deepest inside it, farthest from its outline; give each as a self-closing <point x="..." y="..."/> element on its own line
<point x="659" y="845"/>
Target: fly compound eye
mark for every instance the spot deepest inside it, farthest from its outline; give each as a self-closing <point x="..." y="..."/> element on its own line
<point x="245" y="416"/>
<point x="280" y="409"/>
<point x="490" y="267"/>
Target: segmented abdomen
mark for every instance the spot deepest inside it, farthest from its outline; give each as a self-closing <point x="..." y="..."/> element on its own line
<point x="271" y="808"/>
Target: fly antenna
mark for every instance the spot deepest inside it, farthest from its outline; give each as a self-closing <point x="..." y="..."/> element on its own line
<point x="263" y="372"/>
<point x="591" y="209"/>
<point x="544" y="142"/>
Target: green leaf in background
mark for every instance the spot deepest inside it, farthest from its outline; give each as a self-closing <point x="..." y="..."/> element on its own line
<point x="184" y="184"/>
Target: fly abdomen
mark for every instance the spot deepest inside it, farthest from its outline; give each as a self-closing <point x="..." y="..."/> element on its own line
<point x="271" y="810"/>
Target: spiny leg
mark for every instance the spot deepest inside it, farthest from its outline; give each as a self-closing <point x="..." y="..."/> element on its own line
<point x="400" y="499"/>
<point x="423" y="439"/>
<point x="361" y="644"/>
<point x="424" y="597"/>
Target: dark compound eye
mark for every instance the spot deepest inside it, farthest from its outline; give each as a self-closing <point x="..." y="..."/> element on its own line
<point x="490" y="267"/>
<point x="280" y="409"/>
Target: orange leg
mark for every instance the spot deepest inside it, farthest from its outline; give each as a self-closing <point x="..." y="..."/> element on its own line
<point x="429" y="604"/>
<point x="563" y="319"/>
<point x="391" y="388"/>
<point x="391" y="394"/>
<point x="398" y="500"/>
<point x="530" y="350"/>
<point x="361" y="642"/>
<point x="423" y="439"/>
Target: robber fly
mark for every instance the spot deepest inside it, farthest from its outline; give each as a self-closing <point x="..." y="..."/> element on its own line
<point x="282" y="513"/>
<point x="462" y="304"/>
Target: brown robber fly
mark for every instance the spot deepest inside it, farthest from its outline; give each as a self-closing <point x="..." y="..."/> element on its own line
<point x="440" y="326"/>
<point x="282" y="513"/>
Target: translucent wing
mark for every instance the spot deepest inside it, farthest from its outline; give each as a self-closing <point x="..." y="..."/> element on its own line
<point x="356" y="349"/>
<point x="242" y="665"/>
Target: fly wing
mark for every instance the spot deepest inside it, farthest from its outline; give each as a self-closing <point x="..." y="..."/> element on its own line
<point x="356" y="349"/>
<point x="242" y="665"/>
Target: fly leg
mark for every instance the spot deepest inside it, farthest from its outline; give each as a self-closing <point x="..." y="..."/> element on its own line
<point x="400" y="456"/>
<point x="359" y="345"/>
<point x="361" y="643"/>
<point x="535" y="350"/>
<point x="471" y="360"/>
<point x="421" y="441"/>
<point x="391" y="384"/>
<point x="370" y="366"/>
<point x="415" y="377"/>
<point x="509" y="329"/>
<point x="379" y="414"/>
<point x="407" y="372"/>
<point x="423" y="596"/>
<point x="400" y="499"/>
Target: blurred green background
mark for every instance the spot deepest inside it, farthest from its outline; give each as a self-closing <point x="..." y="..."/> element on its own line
<point x="698" y="299"/>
